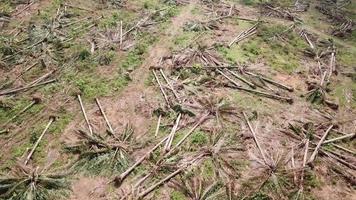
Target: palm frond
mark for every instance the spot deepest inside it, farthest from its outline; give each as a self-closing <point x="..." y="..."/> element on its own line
<point x="25" y="183"/>
<point x="104" y="156"/>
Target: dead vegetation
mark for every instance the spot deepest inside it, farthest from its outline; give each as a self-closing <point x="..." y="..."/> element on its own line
<point x="34" y="183"/>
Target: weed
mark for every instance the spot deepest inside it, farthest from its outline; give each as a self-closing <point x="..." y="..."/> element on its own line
<point x="259" y="196"/>
<point x="61" y="122"/>
<point x="346" y="57"/>
<point x="199" y="138"/>
<point x="135" y="56"/>
<point x="251" y="2"/>
<point x="6" y="7"/>
<point x="114" y="19"/>
<point x="183" y="40"/>
<point x="176" y="195"/>
<point x="92" y="87"/>
<point x="311" y="180"/>
<point x="345" y="92"/>
<point x="208" y="168"/>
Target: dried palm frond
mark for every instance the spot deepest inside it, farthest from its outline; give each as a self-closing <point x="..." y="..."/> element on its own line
<point x="220" y="8"/>
<point x="194" y="186"/>
<point x="224" y="157"/>
<point x="202" y="55"/>
<point x="345" y="28"/>
<point x="99" y="155"/>
<point x="318" y="94"/>
<point x="117" y="3"/>
<point x="270" y="185"/>
<point x="197" y="26"/>
<point x="176" y="2"/>
<point x="26" y="183"/>
<point x="217" y="107"/>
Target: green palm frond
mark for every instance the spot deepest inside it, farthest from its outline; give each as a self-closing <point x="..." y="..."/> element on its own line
<point x="25" y="183"/>
<point x="102" y="156"/>
<point x="195" y="187"/>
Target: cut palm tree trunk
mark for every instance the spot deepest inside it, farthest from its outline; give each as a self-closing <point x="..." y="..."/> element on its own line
<point x="290" y="89"/>
<point x="316" y="150"/>
<point x="332" y="64"/>
<point x="255" y="138"/>
<point x="168" y="145"/>
<point x="111" y="130"/>
<point x="264" y="94"/>
<point x="4" y="131"/>
<point x="153" y="187"/>
<point x="338" y="146"/>
<point x="119" y="179"/>
<point x="244" y="34"/>
<point x="228" y="78"/>
<point x="78" y="7"/>
<point x="170" y="85"/>
<point x="308" y="40"/>
<point x="293" y="166"/>
<point x="142" y="21"/>
<point x="167" y="178"/>
<point x="85" y="114"/>
<point x="201" y="120"/>
<point x="301" y="184"/>
<point x="51" y="120"/>
<point x="158" y="124"/>
<point x="242" y="79"/>
<point x="161" y="88"/>
<point x="342" y="161"/>
<point x="339" y="138"/>
<point x="26" y="87"/>
<point x="344" y="149"/>
<point x="121" y="34"/>
<point x="23" y="9"/>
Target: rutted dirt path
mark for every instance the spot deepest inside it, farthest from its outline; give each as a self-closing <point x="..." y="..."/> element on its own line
<point x="135" y="103"/>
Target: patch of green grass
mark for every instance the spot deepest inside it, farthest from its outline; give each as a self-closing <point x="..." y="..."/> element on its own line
<point x="61" y="122"/>
<point x="183" y="39"/>
<point x="311" y="180"/>
<point x="279" y="55"/>
<point x="113" y="20"/>
<point x="235" y="54"/>
<point x="345" y="92"/>
<point x="16" y="151"/>
<point x="47" y="13"/>
<point x="250" y="2"/>
<point x="248" y="101"/>
<point x="282" y="56"/>
<point x="208" y="168"/>
<point x="94" y="86"/>
<point x="5" y="7"/>
<point x="150" y="4"/>
<point x="19" y="149"/>
<point x="259" y="196"/>
<point x="176" y="195"/>
<point x="10" y="108"/>
<point x="198" y="138"/>
<point x="346" y="57"/>
<point x="150" y="81"/>
<point x="136" y="56"/>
